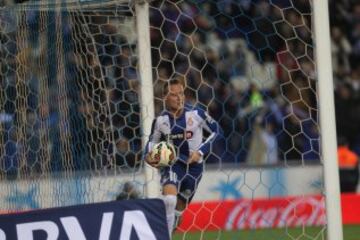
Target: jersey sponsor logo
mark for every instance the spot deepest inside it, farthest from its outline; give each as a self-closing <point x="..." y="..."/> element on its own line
<point x="176" y="136"/>
<point x="181" y="136"/>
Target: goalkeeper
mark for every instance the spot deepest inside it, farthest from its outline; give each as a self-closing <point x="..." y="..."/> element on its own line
<point x="182" y="125"/>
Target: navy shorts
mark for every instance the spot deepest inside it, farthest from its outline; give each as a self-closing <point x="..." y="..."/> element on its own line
<point x="185" y="177"/>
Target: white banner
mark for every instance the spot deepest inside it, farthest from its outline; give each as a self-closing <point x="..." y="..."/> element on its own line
<point x="215" y="185"/>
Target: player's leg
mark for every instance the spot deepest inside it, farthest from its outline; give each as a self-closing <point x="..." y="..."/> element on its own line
<point x="180" y="207"/>
<point x="187" y="189"/>
<point x="170" y="199"/>
<point x="169" y="181"/>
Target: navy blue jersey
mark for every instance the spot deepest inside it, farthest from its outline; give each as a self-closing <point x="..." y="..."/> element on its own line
<point x="185" y="132"/>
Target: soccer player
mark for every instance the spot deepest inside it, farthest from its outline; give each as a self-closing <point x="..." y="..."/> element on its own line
<point x="182" y="125"/>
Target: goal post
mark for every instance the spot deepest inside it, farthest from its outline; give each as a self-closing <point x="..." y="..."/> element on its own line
<point x="327" y="119"/>
<point x="147" y="93"/>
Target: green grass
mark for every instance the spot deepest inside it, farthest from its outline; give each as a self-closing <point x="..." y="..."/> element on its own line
<point x="351" y="232"/>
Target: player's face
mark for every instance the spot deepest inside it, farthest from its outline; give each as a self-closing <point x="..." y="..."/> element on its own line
<point x="175" y="98"/>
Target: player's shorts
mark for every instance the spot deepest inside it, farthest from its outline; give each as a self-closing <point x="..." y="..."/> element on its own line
<point x="185" y="177"/>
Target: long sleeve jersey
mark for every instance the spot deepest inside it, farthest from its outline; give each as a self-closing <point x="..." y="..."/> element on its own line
<point x="185" y="132"/>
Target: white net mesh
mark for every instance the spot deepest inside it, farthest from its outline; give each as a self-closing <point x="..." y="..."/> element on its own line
<point x="70" y="110"/>
<point x="251" y="65"/>
<point x="69" y="99"/>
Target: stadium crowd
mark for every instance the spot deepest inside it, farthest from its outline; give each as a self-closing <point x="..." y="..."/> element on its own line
<point x="245" y="65"/>
<point x="251" y="63"/>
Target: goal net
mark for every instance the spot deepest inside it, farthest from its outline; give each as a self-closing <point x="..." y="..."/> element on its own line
<point x="70" y="119"/>
<point x="70" y="105"/>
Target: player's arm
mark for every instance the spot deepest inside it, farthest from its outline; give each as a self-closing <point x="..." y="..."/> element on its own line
<point x="211" y="126"/>
<point x="153" y="139"/>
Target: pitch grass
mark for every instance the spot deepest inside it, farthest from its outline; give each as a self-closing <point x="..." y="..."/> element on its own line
<point x="351" y="232"/>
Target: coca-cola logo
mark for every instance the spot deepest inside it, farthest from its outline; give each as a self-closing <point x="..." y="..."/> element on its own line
<point x="294" y="212"/>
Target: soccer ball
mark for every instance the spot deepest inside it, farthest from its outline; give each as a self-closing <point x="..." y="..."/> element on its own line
<point x="164" y="153"/>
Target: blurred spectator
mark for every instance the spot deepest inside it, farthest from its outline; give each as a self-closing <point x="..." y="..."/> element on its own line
<point x="349" y="167"/>
<point x="128" y="191"/>
<point x="341" y="50"/>
<point x="263" y="148"/>
<point x="347" y="110"/>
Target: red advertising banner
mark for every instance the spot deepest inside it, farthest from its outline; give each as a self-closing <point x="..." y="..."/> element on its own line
<point x="350" y="206"/>
<point x="265" y="213"/>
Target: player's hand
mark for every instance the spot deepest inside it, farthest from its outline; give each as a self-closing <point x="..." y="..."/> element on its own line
<point x="152" y="162"/>
<point x="194" y="157"/>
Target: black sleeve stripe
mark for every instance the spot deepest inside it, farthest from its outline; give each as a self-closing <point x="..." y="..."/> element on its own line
<point x="152" y="128"/>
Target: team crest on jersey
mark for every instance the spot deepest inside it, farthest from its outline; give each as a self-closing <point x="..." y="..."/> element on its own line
<point x="190" y="122"/>
<point x="189" y="134"/>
